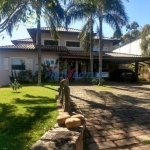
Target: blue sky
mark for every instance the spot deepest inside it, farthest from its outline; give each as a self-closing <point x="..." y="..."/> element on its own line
<point x="137" y="10"/>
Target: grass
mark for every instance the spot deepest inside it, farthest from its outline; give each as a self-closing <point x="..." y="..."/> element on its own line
<point x="26" y="115"/>
<point x="104" y="87"/>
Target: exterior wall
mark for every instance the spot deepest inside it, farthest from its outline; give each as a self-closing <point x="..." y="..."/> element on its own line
<point x="64" y="37"/>
<point x="131" y="48"/>
<point x="4" y="74"/>
<point x="62" y="40"/>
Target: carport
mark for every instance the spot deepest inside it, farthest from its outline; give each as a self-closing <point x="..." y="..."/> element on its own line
<point x="111" y="60"/>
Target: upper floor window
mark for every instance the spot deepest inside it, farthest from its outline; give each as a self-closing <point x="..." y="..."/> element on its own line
<point x="72" y="44"/>
<point x="51" y="42"/>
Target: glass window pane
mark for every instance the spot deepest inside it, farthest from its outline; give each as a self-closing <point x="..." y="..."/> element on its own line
<point x="72" y="44"/>
<point x="50" y="42"/>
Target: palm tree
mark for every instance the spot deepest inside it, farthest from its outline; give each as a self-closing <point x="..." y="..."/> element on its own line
<point x="12" y="13"/>
<point x="53" y="15"/>
<point x="113" y="13"/>
<point x="20" y="11"/>
<point x="77" y="10"/>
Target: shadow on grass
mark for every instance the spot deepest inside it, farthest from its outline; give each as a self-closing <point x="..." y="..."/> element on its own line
<point x="106" y="107"/>
<point x="16" y="130"/>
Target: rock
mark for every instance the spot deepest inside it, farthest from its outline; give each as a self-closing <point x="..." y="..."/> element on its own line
<point x="81" y="117"/>
<point x="62" y="118"/>
<point x="72" y="123"/>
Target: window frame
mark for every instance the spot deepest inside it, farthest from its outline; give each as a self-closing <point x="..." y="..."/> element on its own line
<point x="43" y="39"/>
<point x="72" y="41"/>
<point x="21" y="58"/>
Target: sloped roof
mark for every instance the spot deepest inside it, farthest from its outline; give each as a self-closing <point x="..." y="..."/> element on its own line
<point x="112" y="54"/>
<point x="63" y="29"/>
<point x="19" y="46"/>
<point x="18" y="41"/>
<point x="34" y="47"/>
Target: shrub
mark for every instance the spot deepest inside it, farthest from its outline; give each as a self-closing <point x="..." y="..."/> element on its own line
<point x="95" y="80"/>
<point x="142" y="79"/>
<point x="15" y="85"/>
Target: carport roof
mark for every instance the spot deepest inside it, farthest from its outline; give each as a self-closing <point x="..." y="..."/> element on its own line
<point x="111" y="57"/>
<point x="110" y="54"/>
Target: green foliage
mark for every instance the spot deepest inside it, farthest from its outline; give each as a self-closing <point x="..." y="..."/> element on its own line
<point x="22" y="76"/>
<point x="13" y="76"/>
<point x="132" y="34"/>
<point x="145" y="40"/>
<point x="46" y="68"/>
<point x="142" y="79"/>
<point x="15" y="85"/>
<point x="87" y="79"/>
<point x="95" y="80"/>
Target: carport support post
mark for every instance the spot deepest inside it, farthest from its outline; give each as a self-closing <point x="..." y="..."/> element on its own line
<point x="136" y="69"/>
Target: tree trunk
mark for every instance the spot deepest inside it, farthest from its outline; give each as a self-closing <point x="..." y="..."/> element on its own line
<point x="100" y="49"/>
<point x="39" y="42"/>
<point x="91" y="46"/>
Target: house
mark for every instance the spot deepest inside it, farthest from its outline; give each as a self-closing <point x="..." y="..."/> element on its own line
<point x="23" y="54"/>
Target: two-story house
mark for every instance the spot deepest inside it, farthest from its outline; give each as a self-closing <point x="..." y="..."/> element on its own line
<point x="67" y="48"/>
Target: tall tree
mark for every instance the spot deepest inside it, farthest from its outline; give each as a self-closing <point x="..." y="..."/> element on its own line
<point x="79" y="10"/>
<point x="113" y="13"/>
<point x="54" y="15"/>
<point x="12" y="12"/>
<point x="50" y="10"/>
<point x="145" y="40"/>
<point x="132" y="34"/>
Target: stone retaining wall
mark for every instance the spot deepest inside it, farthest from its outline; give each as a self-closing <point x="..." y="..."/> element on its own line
<point x="61" y="138"/>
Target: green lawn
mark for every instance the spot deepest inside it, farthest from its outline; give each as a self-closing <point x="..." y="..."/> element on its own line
<point x="26" y="115"/>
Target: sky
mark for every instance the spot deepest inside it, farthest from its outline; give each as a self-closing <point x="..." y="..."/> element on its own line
<point x="137" y="10"/>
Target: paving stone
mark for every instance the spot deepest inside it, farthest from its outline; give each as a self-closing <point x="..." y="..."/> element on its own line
<point x="100" y="133"/>
<point x="145" y="147"/>
<point x="120" y="125"/>
<point x="127" y="141"/>
<point x="102" y="127"/>
<point x="134" y="128"/>
<point x="134" y="133"/>
<point x="115" y="137"/>
<point x="143" y="137"/>
<point x="112" y="132"/>
<point x="95" y="139"/>
<point x="102" y="145"/>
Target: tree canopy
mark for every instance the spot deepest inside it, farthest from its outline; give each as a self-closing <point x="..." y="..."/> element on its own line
<point x="145" y="40"/>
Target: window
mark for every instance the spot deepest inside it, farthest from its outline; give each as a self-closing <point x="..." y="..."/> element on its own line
<point x="95" y="48"/>
<point x="50" y="62"/>
<point x="51" y="42"/>
<point x="17" y="64"/>
<point x="72" y="44"/>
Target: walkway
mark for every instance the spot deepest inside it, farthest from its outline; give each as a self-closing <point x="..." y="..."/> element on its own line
<point x="116" y="117"/>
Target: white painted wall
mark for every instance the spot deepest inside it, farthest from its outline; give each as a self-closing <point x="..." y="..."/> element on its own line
<point x="67" y="37"/>
<point x="4" y="74"/>
<point x="131" y="48"/>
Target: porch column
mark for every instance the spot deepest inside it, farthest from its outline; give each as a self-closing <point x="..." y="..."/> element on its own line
<point x="65" y="71"/>
<point x="76" y="70"/>
<point x="136" y="69"/>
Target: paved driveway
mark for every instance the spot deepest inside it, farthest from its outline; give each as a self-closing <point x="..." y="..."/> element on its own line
<point x="117" y="117"/>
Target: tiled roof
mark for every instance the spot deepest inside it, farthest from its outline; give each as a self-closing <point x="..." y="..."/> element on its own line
<point x="34" y="47"/>
<point x="110" y="54"/>
<point x="20" y="46"/>
<point x="24" y="40"/>
<point x="114" y="54"/>
<point x="63" y="29"/>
